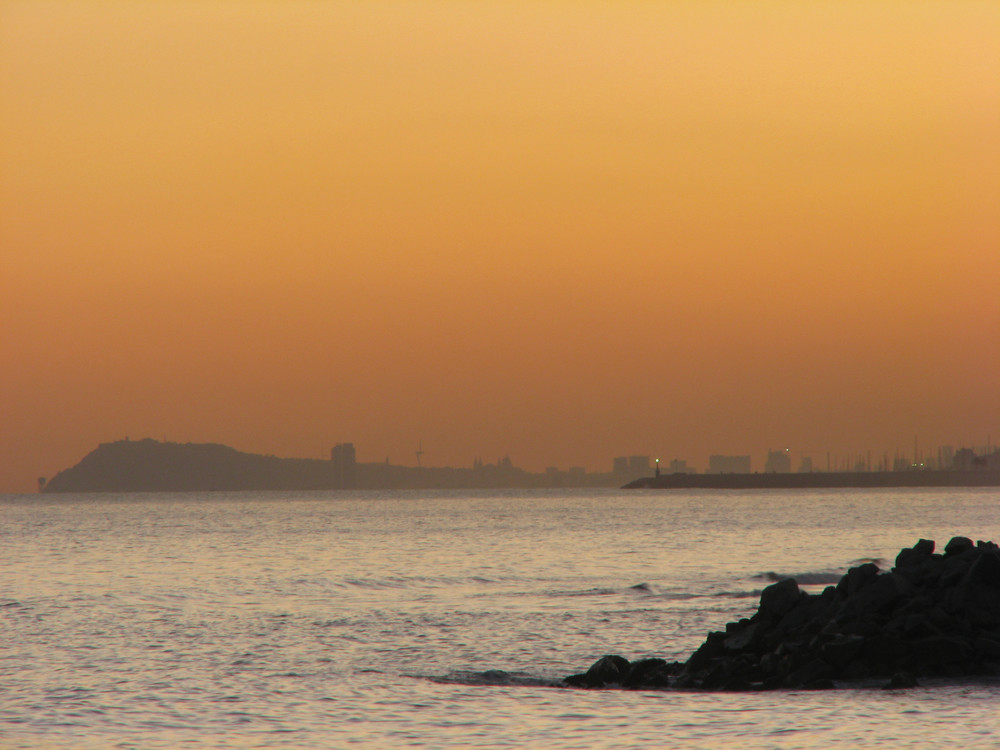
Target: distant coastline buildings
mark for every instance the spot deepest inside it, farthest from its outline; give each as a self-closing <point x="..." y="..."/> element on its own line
<point x="966" y="459"/>
<point x="718" y="464"/>
<point x="679" y="466"/>
<point x="778" y="462"/>
<point x="786" y="461"/>
<point x="627" y="468"/>
<point x="148" y="465"/>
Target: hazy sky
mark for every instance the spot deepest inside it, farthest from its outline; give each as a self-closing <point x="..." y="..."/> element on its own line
<point x="560" y="230"/>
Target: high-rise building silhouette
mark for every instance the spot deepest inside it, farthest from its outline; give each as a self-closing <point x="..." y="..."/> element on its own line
<point x="778" y="462"/>
<point x="344" y="467"/>
<point x="728" y="464"/>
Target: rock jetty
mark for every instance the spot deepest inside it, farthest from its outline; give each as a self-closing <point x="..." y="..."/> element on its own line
<point x="932" y="615"/>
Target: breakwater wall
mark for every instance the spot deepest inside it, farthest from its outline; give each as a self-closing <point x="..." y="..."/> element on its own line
<point x="844" y="479"/>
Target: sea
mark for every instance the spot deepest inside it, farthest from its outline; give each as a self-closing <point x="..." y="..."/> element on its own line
<point x="441" y="619"/>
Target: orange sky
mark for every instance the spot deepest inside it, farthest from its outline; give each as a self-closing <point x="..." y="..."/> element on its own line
<point x="560" y="230"/>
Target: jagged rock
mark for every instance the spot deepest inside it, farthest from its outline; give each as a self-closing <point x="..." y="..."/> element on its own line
<point x="711" y="649"/>
<point x="939" y="651"/>
<point x="810" y="673"/>
<point x="957" y="545"/>
<point x="987" y="647"/>
<point x="932" y="615"/>
<point x="741" y="638"/>
<point x="856" y="579"/>
<point x="842" y="650"/>
<point x="779" y="598"/>
<point x="608" y="670"/>
<point x="650" y="673"/>
<point x="915" y="555"/>
<point x="986" y="568"/>
<point x="882" y="593"/>
<point x="901" y="681"/>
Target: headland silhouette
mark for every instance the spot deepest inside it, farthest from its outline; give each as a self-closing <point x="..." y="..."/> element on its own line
<point x="152" y="466"/>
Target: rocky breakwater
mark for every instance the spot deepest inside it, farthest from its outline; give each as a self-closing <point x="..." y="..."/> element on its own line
<point x="932" y="615"/>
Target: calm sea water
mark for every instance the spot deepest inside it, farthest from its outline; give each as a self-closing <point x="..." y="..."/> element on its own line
<point x="376" y="620"/>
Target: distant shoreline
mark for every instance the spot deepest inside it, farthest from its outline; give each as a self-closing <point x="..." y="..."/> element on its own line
<point x="151" y="466"/>
<point x="833" y="480"/>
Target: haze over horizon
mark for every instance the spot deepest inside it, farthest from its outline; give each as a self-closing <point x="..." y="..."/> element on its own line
<point x="563" y="231"/>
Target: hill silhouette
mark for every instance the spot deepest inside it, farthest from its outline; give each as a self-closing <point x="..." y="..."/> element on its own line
<point x="149" y="465"/>
<point x="152" y="466"/>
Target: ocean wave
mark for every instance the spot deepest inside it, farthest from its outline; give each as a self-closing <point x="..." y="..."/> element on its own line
<point x="586" y="592"/>
<point x="377" y="583"/>
<point x="493" y="678"/>
<point x="819" y="577"/>
<point x="480" y="586"/>
<point x="650" y="592"/>
<point x="810" y="578"/>
<point x="404" y="581"/>
<point x="744" y="594"/>
<point x="639" y="589"/>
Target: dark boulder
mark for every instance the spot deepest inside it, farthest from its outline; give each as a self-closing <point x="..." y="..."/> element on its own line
<point x="915" y="555"/>
<point x="901" y="681"/>
<point x="712" y="649"/>
<point x="928" y="655"/>
<point x="884" y="592"/>
<point x="957" y="545"/>
<point x="779" y="598"/>
<point x="608" y="670"/>
<point x="815" y="673"/>
<point x="856" y="579"/>
<point x="842" y="650"/>
<point x="650" y="674"/>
